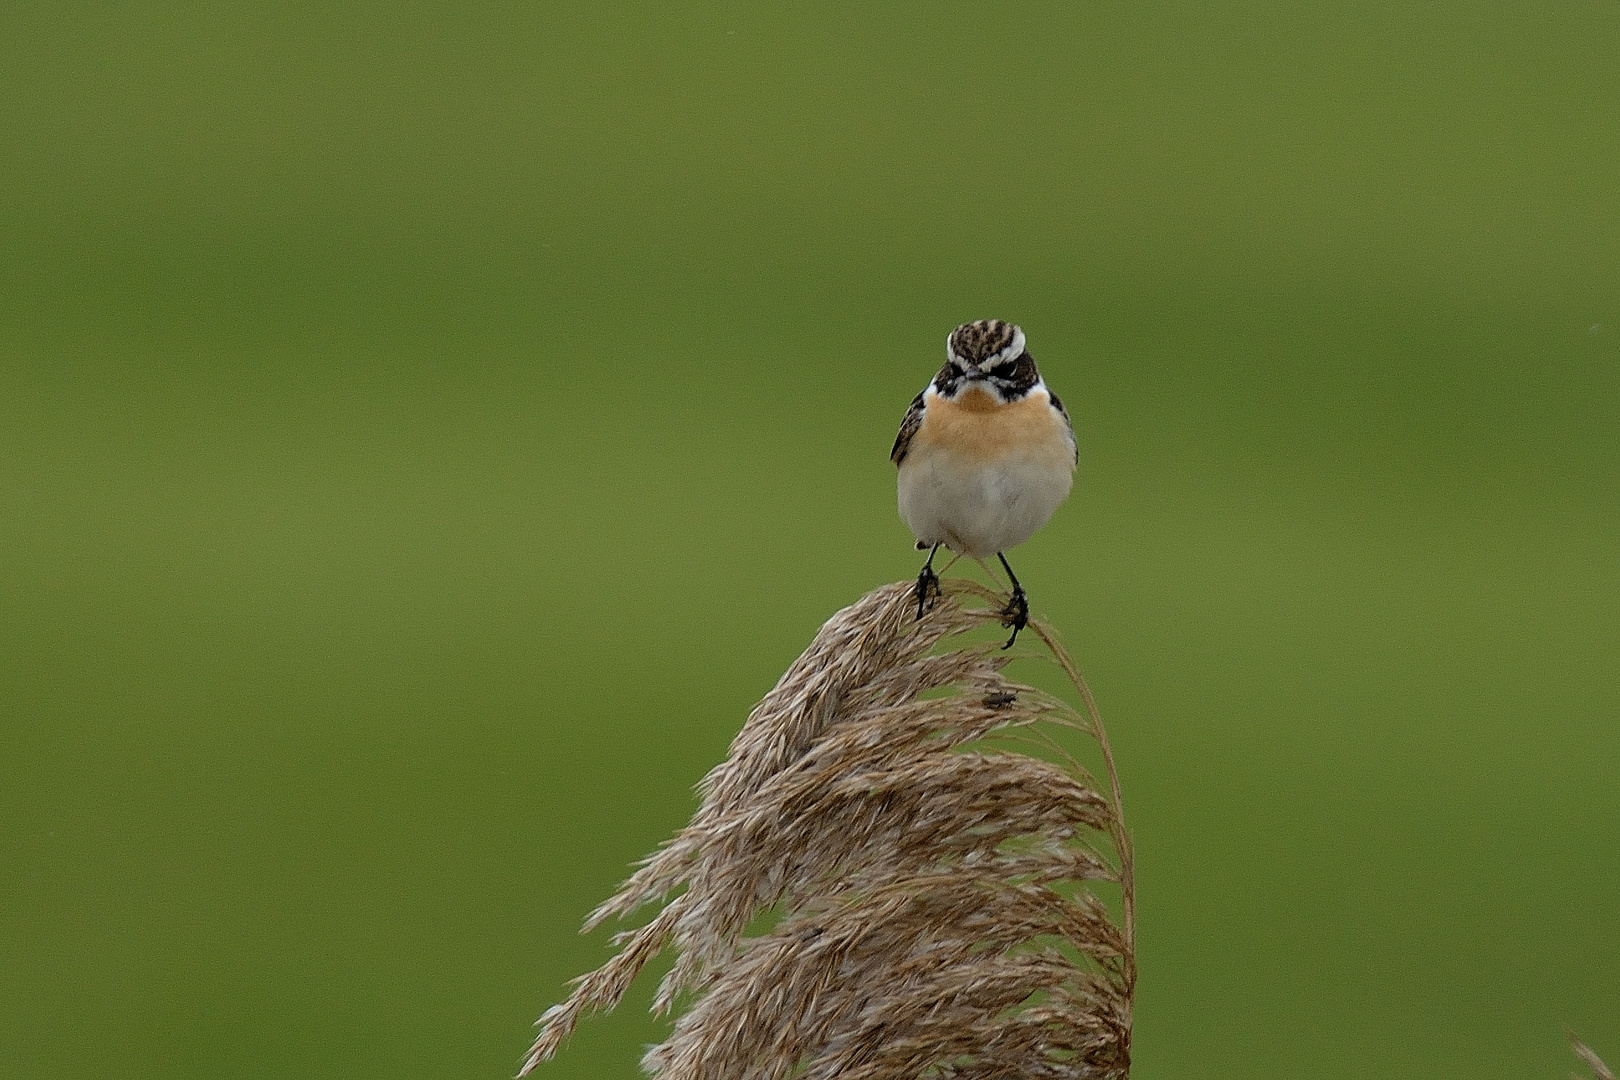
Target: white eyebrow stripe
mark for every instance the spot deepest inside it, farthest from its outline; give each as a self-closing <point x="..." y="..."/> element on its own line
<point x="1012" y="351"/>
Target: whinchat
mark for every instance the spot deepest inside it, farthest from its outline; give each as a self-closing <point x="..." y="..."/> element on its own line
<point x="986" y="454"/>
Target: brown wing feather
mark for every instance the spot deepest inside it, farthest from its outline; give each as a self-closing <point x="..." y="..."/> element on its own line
<point x="1058" y="405"/>
<point x="908" y="428"/>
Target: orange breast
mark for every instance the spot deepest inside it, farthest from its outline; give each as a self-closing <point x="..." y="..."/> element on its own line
<point x="977" y="426"/>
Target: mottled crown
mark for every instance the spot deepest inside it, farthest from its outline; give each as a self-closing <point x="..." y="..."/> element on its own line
<point x="984" y="343"/>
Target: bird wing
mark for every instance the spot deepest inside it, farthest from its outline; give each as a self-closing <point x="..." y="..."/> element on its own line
<point x="908" y="429"/>
<point x="1058" y="405"/>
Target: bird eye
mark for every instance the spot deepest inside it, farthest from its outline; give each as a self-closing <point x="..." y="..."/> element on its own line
<point x="1005" y="371"/>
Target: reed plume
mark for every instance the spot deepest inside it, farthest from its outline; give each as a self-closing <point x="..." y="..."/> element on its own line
<point x="927" y="888"/>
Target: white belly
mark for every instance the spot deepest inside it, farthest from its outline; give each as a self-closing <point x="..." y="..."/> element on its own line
<point x="980" y="508"/>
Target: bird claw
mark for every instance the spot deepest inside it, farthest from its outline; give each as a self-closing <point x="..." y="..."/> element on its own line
<point x="927" y="585"/>
<point x="1015" y="615"/>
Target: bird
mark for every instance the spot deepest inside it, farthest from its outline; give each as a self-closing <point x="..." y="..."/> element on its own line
<point x="985" y="455"/>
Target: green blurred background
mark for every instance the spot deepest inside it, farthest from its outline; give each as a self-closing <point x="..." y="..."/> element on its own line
<point x="426" y="429"/>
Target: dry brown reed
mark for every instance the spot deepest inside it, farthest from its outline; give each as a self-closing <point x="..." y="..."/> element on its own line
<point x="927" y="893"/>
<point x="1600" y="1071"/>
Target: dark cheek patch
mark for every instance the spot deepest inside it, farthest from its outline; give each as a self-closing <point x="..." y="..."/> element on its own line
<point x="948" y="379"/>
<point x="1018" y="378"/>
<point x="1024" y="371"/>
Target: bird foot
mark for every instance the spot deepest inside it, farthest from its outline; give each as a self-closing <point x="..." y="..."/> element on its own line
<point x="927" y="587"/>
<point x="1015" y="615"/>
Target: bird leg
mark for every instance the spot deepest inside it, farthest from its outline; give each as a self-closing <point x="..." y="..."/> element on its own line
<point x="1016" y="613"/>
<point x="927" y="580"/>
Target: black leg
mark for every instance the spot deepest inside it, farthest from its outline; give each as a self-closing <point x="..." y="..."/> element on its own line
<point x="927" y="582"/>
<point x="1016" y="613"/>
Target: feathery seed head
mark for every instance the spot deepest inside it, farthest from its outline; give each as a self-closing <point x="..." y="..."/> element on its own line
<point x="933" y="887"/>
